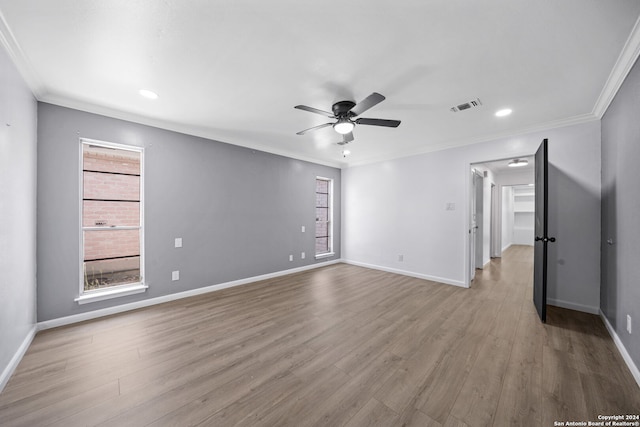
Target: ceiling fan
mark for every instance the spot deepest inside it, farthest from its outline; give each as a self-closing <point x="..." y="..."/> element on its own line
<point x="345" y="112"/>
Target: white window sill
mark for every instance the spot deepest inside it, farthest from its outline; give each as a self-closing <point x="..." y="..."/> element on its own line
<point x="115" y="292"/>
<point x="326" y="255"/>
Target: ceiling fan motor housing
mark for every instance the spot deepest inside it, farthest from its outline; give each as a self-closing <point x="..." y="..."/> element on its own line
<point x="343" y="108"/>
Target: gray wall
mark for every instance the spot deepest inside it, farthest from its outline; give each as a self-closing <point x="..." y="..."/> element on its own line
<point x="574" y="218"/>
<point x="17" y="212"/>
<point x="620" y="291"/>
<point x="238" y="211"/>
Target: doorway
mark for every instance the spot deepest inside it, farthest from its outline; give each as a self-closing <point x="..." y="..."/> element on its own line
<point x="487" y="182"/>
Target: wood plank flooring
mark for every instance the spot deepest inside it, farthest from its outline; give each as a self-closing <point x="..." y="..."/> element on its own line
<point x="335" y="346"/>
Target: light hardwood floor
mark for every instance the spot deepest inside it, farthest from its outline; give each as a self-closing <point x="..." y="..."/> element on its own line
<point x="339" y="345"/>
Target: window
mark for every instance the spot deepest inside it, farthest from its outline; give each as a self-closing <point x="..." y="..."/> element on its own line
<point x="112" y="232"/>
<point x="324" y="217"/>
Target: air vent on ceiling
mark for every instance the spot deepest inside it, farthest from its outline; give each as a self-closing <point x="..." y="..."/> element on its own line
<point x="467" y="105"/>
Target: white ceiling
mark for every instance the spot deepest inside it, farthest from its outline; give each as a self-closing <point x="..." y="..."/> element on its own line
<point x="232" y="70"/>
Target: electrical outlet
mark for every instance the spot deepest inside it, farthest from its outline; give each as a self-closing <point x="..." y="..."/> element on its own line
<point x="628" y="323"/>
<point x="290" y="257"/>
<point x="302" y="255"/>
<point x="401" y="258"/>
<point x="175" y="275"/>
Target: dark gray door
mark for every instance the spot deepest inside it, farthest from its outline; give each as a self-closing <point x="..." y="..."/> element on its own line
<point x="541" y="230"/>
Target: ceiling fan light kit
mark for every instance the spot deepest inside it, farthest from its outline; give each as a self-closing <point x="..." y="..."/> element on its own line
<point x="344" y="112"/>
<point x="343" y="126"/>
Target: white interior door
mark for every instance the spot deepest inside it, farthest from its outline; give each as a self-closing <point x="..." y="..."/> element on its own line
<point x="473" y="227"/>
<point x="479" y="219"/>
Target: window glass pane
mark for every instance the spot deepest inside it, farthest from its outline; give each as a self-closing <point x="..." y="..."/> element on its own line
<point x="105" y="159"/>
<point x="107" y="186"/>
<point x="104" y="214"/>
<point x="322" y="200"/>
<point x="322" y="245"/>
<point x="102" y="274"/>
<point x="322" y="214"/>
<point x="101" y="244"/>
<point x="322" y="229"/>
<point x="322" y="186"/>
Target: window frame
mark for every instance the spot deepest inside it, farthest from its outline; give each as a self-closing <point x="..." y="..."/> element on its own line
<point x="330" y="251"/>
<point x="116" y="291"/>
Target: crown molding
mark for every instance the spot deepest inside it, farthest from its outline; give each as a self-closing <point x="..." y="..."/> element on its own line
<point x="18" y="57"/>
<point x="570" y="121"/>
<point x="185" y="129"/>
<point x="622" y="67"/>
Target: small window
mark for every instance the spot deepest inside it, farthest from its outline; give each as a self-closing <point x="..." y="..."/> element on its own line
<point x="324" y="216"/>
<point x="111" y="217"/>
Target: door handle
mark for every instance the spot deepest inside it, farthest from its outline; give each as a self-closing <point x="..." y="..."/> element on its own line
<point x="545" y="239"/>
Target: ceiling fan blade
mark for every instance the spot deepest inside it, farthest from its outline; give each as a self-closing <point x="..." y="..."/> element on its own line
<point x="379" y="122"/>
<point x="370" y="101"/>
<point x="314" y="110"/>
<point x="302" y="132"/>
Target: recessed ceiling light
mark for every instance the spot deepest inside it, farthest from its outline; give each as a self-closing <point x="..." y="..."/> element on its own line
<point x="503" y="112"/>
<point x="345" y="153"/>
<point x="516" y="163"/>
<point x="148" y="94"/>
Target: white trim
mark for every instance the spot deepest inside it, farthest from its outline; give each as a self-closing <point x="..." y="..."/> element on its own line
<point x="621" y="348"/>
<point x="197" y="131"/>
<point x="110" y="293"/>
<point x="621" y="69"/>
<point x="330" y="225"/>
<point x="507" y="247"/>
<point x="325" y="255"/>
<point x="18" y="57"/>
<point x="461" y="142"/>
<point x="407" y="273"/>
<point x="75" y="318"/>
<point x="17" y="357"/>
<point x="573" y="306"/>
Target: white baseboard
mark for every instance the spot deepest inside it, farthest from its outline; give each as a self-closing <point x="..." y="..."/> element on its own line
<point x="573" y="306"/>
<point x="407" y="273"/>
<point x="506" y="247"/>
<point x="61" y="321"/>
<point x="17" y="357"/>
<point x="621" y="348"/>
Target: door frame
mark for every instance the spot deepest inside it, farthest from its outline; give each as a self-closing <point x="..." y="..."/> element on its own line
<point x="495" y="247"/>
<point x="469" y="205"/>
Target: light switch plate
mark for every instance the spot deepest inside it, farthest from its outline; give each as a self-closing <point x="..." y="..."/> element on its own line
<point x="175" y="275"/>
<point x="178" y="242"/>
<point x="303" y="228"/>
